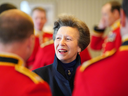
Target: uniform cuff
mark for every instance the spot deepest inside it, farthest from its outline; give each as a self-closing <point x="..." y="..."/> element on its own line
<point x="96" y="29"/>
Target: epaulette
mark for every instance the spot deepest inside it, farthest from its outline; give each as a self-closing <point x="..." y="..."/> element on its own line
<point x="123" y="48"/>
<point x="33" y="76"/>
<point x="46" y="43"/>
<point x="115" y="25"/>
<point x="18" y="64"/>
<point x="96" y="59"/>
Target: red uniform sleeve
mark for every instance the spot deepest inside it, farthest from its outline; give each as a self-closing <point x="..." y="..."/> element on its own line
<point x="113" y="40"/>
<point x="84" y="55"/>
<point x="45" y="56"/>
<point x="96" y="42"/>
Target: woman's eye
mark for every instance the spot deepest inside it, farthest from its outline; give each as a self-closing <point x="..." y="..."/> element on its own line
<point x="57" y="38"/>
<point x="68" y="39"/>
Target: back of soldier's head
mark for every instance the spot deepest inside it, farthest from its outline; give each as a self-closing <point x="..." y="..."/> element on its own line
<point x="15" y="26"/>
<point x="6" y="6"/>
<point x="125" y="7"/>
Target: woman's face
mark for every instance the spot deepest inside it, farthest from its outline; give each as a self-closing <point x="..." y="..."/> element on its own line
<point x="66" y="44"/>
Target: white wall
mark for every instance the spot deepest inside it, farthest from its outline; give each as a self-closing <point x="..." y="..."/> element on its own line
<point x="86" y="10"/>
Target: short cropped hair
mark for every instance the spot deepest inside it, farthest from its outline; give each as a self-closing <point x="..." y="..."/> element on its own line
<point x="125" y="7"/>
<point x="71" y="21"/>
<point x="6" y="6"/>
<point x="15" y="27"/>
<point x="115" y="6"/>
<point x="39" y="9"/>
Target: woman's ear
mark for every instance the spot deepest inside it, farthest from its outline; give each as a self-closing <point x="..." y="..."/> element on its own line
<point x="79" y="49"/>
<point x="122" y="18"/>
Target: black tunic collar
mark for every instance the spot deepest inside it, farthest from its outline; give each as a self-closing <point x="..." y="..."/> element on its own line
<point x="8" y="59"/>
<point x="125" y="43"/>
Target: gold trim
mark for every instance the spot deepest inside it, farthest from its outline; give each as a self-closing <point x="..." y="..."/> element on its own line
<point x="46" y="43"/>
<point x="7" y="64"/>
<point x="115" y="25"/>
<point x="123" y="48"/>
<point x="33" y="76"/>
<point x="38" y="33"/>
<point x="96" y="59"/>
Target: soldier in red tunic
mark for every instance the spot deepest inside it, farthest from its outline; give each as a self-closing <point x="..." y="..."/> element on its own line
<point x="39" y="19"/>
<point x="16" y="45"/>
<point x="106" y="75"/>
<point x="110" y="18"/>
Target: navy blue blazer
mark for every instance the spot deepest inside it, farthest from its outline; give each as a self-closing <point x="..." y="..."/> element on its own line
<point x="55" y="76"/>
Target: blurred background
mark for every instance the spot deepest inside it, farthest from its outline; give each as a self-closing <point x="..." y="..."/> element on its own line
<point x="88" y="11"/>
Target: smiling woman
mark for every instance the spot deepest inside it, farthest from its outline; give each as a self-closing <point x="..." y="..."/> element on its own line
<point x="66" y="44"/>
<point x="71" y="36"/>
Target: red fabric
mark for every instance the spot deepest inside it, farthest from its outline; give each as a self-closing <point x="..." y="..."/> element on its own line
<point x="45" y="56"/>
<point x="84" y="55"/>
<point x="98" y="43"/>
<point x="116" y="43"/>
<point x="13" y="83"/>
<point x="108" y="77"/>
<point x="46" y="37"/>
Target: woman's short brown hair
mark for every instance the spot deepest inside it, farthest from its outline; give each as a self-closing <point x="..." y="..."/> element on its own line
<point x="71" y="21"/>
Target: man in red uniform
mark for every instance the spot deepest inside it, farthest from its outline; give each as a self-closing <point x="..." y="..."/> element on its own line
<point x="110" y="18"/>
<point x="106" y="75"/>
<point x="16" y="45"/>
<point x="39" y="19"/>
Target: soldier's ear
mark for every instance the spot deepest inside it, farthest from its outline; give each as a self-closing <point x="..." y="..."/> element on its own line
<point x="31" y="42"/>
<point x="122" y="18"/>
<point x="116" y="13"/>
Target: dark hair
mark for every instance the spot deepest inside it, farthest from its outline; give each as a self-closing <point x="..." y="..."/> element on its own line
<point x="39" y="9"/>
<point x="15" y="26"/>
<point x="6" y="6"/>
<point x="67" y="20"/>
<point x="115" y="6"/>
<point x="125" y="7"/>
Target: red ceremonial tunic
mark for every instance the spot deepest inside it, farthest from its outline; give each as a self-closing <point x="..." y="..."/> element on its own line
<point x="105" y="75"/>
<point x="16" y="80"/>
<point x="46" y="37"/>
<point x="113" y="40"/>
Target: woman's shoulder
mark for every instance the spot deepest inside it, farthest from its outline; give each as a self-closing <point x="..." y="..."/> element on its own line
<point x="43" y="70"/>
<point x="45" y="73"/>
